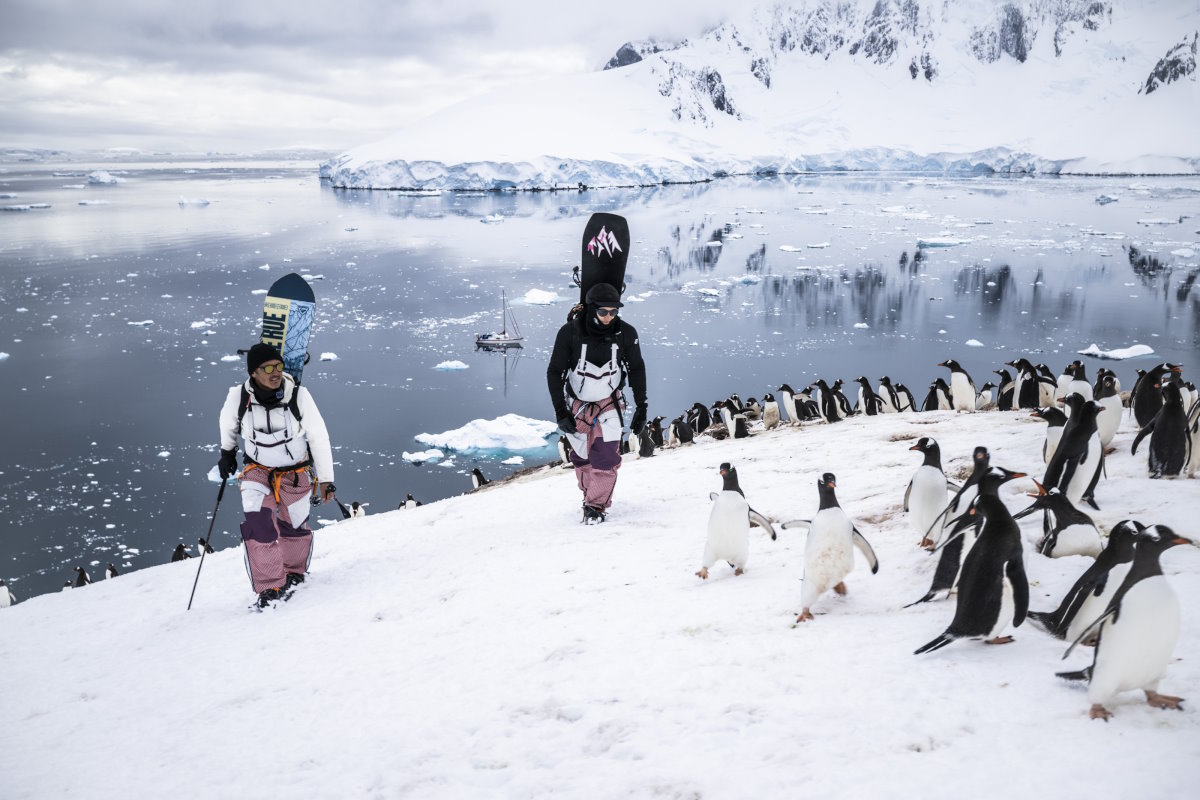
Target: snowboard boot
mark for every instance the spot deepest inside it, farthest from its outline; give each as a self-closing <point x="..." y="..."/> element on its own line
<point x="265" y="598"/>
<point x="293" y="579"/>
<point x="593" y="514"/>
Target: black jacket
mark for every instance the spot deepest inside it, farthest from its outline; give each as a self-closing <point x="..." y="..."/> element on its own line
<point x="568" y="345"/>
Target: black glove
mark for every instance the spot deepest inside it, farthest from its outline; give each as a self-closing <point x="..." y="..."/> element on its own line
<point x="639" y="421"/>
<point x="228" y="464"/>
<point x="566" y="423"/>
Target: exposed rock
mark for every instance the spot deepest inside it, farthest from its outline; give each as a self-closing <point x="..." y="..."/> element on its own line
<point x="888" y="21"/>
<point x="633" y="52"/>
<point x="693" y="91"/>
<point x="761" y="70"/>
<point x="1179" y="62"/>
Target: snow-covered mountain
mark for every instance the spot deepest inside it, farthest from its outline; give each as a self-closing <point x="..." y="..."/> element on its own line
<point x="1052" y="86"/>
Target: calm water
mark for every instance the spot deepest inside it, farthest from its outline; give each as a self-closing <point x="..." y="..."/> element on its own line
<point x="736" y="286"/>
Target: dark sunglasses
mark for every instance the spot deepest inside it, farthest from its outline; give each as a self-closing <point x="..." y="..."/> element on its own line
<point x="606" y="312"/>
<point x="269" y="368"/>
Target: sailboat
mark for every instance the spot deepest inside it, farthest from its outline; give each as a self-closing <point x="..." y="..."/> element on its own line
<point x="505" y="338"/>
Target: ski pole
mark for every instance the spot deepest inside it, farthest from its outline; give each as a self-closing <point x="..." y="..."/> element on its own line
<point x="207" y="538"/>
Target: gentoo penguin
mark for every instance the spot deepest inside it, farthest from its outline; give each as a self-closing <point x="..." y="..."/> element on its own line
<point x="962" y="388"/>
<point x="623" y="448"/>
<point x="869" y="403"/>
<point x="1190" y="395"/>
<point x="1193" y="432"/>
<point x="906" y="399"/>
<point x="770" y="412"/>
<point x="7" y="598"/>
<point x="358" y="509"/>
<point x="993" y="590"/>
<point x="842" y="403"/>
<point x="1079" y="383"/>
<point x="962" y="531"/>
<point x="729" y="525"/>
<point x="1147" y="397"/>
<point x="1062" y="381"/>
<point x="1075" y="466"/>
<point x="1066" y="531"/>
<point x="681" y="432"/>
<point x="829" y="549"/>
<point x="477" y="480"/>
<point x="1046" y="387"/>
<point x="1137" y="631"/>
<point x="81" y="577"/>
<point x="752" y="409"/>
<point x="656" y="431"/>
<point x="787" y="399"/>
<point x="741" y="428"/>
<point x="410" y="501"/>
<point x="67" y="585"/>
<point x="203" y="546"/>
<point x="1056" y="420"/>
<point x="180" y="553"/>
<point x="645" y="443"/>
<point x="1090" y="594"/>
<point x="925" y="497"/>
<point x="1004" y="393"/>
<point x="1108" y="396"/>
<point x="829" y="404"/>
<point x="1026" y="391"/>
<point x="984" y="398"/>
<point x="564" y="452"/>
<point x="887" y="393"/>
<point x="806" y="407"/>
<point x="942" y="392"/>
<point x="111" y="571"/>
<point x="699" y="418"/>
<point x="1169" y="440"/>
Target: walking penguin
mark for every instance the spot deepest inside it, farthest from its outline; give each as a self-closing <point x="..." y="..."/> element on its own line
<point x="729" y="525"/>
<point x="925" y="497"/>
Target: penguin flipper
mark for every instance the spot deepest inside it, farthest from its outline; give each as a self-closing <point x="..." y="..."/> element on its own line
<point x="1095" y="626"/>
<point x="713" y="495"/>
<point x="936" y="644"/>
<point x="1084" y="674"/>
<point x="1015" y="570"/>
<point x="1147" y="428"/>
<point x="762" y="522"/>
<point x="797" y="523"/>
<point x="907" y="492"/>
<point x="952" y="486"/>
<point x="1045" y="621"/>
<point x="864" y="547"/>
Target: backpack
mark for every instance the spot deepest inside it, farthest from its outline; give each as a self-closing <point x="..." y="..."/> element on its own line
<point x="244" y="405"/>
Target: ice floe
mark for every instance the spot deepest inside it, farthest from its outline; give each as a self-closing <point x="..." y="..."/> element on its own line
<point x="511" y="432"/>
<point x="1133" y="351"/>
<point x="540" y="297"/>
<point x="423" y="456"/>
<point x="331" y="357"/>
<point x="444" y="366"/>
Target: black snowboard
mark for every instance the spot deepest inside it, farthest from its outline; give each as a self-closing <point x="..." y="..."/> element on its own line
<point x="605" y="252"/>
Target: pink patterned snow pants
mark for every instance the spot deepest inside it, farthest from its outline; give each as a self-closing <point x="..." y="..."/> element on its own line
<point x="276" y="534"/>
<point x="597" y="474"/>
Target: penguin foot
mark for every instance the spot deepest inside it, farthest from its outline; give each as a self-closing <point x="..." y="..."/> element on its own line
<point x="738" y="571"/>
<point x="927" y="544"/>
<point x="1163" y="700"/>
<point x="1000" y="640"/>
<point x="804" y="616"/>
<point x="840" y="588"/>
<point x="1108" y="451"/>
<point x="1099" y="712"/>
<point x="703" y="573"/>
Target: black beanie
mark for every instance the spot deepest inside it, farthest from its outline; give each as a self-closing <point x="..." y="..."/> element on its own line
<point x="260" y="354"/>
<point x="604" y="294"/>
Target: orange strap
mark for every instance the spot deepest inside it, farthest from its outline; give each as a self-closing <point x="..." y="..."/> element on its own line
<point x="275" y="477"/>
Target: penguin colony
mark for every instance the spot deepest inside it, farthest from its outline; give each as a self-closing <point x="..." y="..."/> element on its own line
<point x="1122" y="605"/>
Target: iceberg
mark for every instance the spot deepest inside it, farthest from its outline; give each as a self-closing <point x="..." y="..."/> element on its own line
<point x="445" y="366"/>
<point x="1133" y="351"/>
<point x="511" y="432"/>
<point x="423" y="456"/>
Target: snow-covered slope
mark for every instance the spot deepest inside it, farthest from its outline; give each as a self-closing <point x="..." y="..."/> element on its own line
<point x="1051" y="86"/>
<point x="490" y="646"/>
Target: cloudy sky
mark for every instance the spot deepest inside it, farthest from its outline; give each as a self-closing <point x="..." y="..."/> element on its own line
<point x="218" y="75"/>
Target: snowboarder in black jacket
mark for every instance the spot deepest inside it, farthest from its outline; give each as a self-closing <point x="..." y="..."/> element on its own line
<point x="595" y="356"/>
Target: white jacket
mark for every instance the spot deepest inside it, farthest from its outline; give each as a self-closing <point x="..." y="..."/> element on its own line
<point x="274" y="437"/>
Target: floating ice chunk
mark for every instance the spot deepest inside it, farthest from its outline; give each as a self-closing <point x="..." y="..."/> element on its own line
<point x="231" y="358"/>
<point x="265" y="267"/>
<point x="332" y="357"/>
<point x="258" y="291"/>
<point x="164" y="453"/>
<point x="749" y="280"/>
<point x="939" y="241"/>
<point x="143" y="323"/>
<point x="423" y="456"/>
<point x="1105" y="199"/>
<point x="102" y="177"/>
<point x="445" y="366"/>
<point x="818" y="245"/>
<point x="492" y="219"/>
<point x="540" y="297"/>
<point x="1157" y="221"/>
<point x="1133" y="351"/>
<point x="790" y="248"/>
<point x="510" y="432"/>
<point x="514" y="461"/>
<point x="202" y="324"/>
<point x="714" y="243"/>
<point x="214" y="474"/>
<point x="709" y="292"/>
<point x="1184" y="252"/>
<point x="974" y="343"/>
<point x="3" y="356"/>
<point x="861" y="325"/>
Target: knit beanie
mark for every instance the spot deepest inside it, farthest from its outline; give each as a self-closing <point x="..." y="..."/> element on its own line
<point x="260" y="354"/>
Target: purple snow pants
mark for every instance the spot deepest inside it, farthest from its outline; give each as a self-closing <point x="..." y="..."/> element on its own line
<point x="597" y="474"/>
<point x="276" y="533"/>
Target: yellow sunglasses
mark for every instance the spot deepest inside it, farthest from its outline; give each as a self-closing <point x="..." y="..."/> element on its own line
<point x="269" y="368"/>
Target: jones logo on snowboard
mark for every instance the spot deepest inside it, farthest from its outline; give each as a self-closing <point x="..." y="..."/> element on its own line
<point x="604" y="242"/>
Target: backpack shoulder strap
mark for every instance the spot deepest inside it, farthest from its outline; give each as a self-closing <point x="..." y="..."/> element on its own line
<point x="243" y="405"/>
<point x="294" y="404"/>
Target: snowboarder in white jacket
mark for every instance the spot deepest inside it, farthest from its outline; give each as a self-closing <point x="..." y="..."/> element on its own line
<point x="287" y="462"/>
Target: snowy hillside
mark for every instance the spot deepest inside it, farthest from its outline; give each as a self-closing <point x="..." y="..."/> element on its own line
<point x="490" y="646"/>
<point x="1047" y="86"/>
